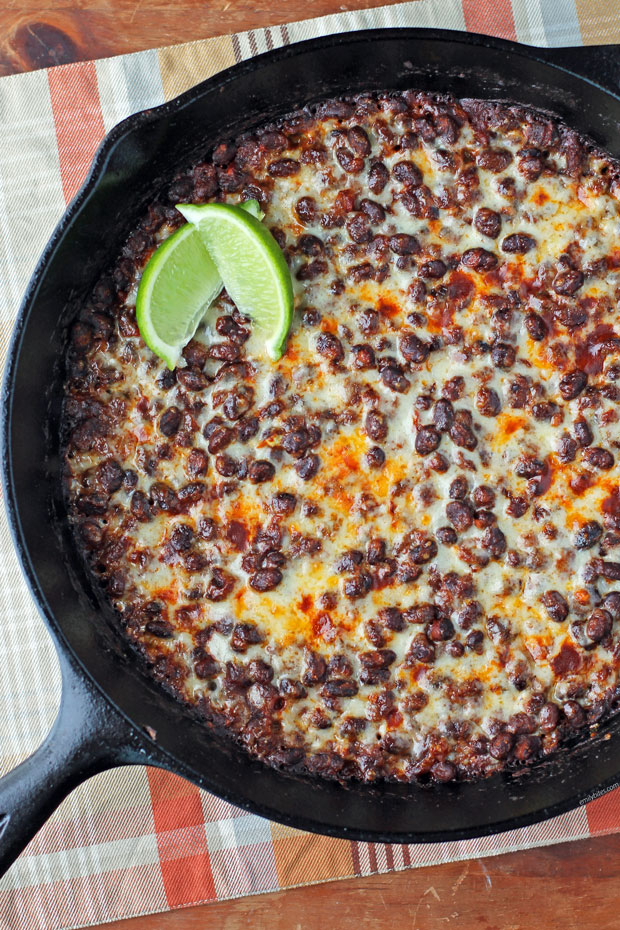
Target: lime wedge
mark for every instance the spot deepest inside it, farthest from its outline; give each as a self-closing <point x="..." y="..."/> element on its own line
<point x="179" y="283"/>
<point x="252" y="266"/>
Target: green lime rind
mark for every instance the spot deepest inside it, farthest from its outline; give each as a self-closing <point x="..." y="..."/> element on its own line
<point x="252" y="267"/>
<point x="177" y="287"/>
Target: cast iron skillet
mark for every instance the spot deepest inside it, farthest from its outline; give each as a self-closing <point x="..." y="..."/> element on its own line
<point x="107" y="700"/>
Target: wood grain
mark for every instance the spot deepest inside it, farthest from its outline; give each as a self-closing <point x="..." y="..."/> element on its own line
<point x="34" y="34"/>
<point x="573" y="886"/>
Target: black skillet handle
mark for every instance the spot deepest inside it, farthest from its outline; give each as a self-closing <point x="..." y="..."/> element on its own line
<point x="598" y="63"/>
<point x="88" y="736"/>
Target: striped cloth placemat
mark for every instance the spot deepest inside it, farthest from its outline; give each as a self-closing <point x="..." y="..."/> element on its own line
<point x="136" y="841"/>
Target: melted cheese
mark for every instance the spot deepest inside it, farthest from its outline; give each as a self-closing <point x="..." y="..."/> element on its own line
<point x="352" y="503"/>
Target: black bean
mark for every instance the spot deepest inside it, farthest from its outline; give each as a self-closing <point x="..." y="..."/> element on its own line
<point x="226" y="465"/>
<point x="494" y="541"/>
<point x="378" y="176"/>
<point x="610" y="570"/>
<point x="503" y="355"/>
<point x="462" y="434"/>
<point x="376" y="425"/>
<point x="191" y="379"/>
<point x="362" y="357"/>
<point x="218" y="438"/>
<point x="488" y="222"/>
<point x="159" y="627"/>
<point x="500" y="746"/>
<point x="421" y="649"/>
<point x="555" y="605"/>
<point x="427" y="440"/>
<point x="421" y="613"/>
<point x="458" y="488"/>
<point x="170" y="421"/>
<point x="224" y="351"/>
<point x="443" y="771"/>
<point x="310" y="245"/>
<point x="460" y="514"/>
<point x="588" y="535"/>
<point x="549" y="717"/>
<point x="358" y="228"/>
<point x="352" y="164"/>
<point x="611" y="603"/>
<point x="572" y="384"/>
<point x="570" y="316"/>
<point x="357" y="586"/>
<point x="475" y="640"/>
<point x="528" y="466"/>
<point x="433" y="269"/>
<point x="329" y="346"/>
<point x="339" y="688"/>
<point x="374" y="211"/>
<point x="583" y="433"/>
<point x="394" y="379"/>
<point x="567" y="282"/>
<point x="261" y="470"/>
<point x="443" y="415"/>
<point x="495" y="160"/>
<point x="266" y="579"/>
<point x="407" y="173"/>
<point x="598" y="458"/>
<point x="536" y="327"/>
<point x="308" y="466"/>
<point x="247" y="429"/>
<point x="307" y="211"/>
<point x="479" y="259"/>
<point x="110" y="476"/>
<point x="526" y="747"/>
<point x="441" y="630"/>
<point x="358" y="140"/>
<point x="483" y="496"/>
<point x="599" y="625"/>
<point x="205" y="666"/>
<point x="140" y="506"/>
<point x="488" y="402"/>
<point x="424" y="551"/>
<point x="567" y="448"/>
<point x="375" y="457"/>
<point x="454" y="388"/>
<point x="182" y="537"/>
<point x="574" y="714"/>
<point x="292" y="688"/>
<point x="368" y="321"/>
<point x="404" y="244"/>
<point x="297" y="442"/>
<point x="91" y="533"/>
<point x="413" y="349"/>
<point x="518" y="243"/>
<point x="446" y="535"/>
<point x="283" y="168"/>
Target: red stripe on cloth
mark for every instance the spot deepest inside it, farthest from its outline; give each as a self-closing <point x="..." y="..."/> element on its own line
<point x="181" y="839"/>
<point x="604" y="813"/>
<point x="188" y="881"/>
<point x="79" y="123"/>
<point x="492" y="19"/>
<point x="372" y="855"/>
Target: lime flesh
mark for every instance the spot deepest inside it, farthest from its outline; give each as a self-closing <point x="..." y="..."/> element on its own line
<point x="252" y="266"/>
<point x="179" y="283"/>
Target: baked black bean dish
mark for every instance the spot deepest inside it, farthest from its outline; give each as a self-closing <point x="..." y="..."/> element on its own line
<point x="394" y="553"/>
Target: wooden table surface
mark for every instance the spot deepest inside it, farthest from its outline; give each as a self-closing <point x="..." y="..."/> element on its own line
<point x="571" y="886"/>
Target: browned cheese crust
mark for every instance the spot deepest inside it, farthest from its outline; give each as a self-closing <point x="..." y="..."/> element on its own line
<point x="394" y="553"/>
